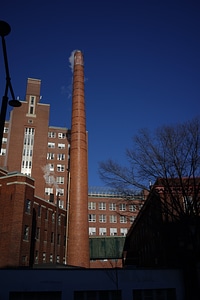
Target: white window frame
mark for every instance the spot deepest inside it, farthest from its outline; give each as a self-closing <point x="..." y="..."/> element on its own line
<point x="102" y="231"/>
<point x="123" y="219"/>
<point x="102" y="218"/>
<point x="112" y="206"/>
<point x="122" y="207"/>
<point x="102" y="205"/>
<point x="113" y="219"/>
<point x="91" y="218"/>
<point x="91" y="205"/>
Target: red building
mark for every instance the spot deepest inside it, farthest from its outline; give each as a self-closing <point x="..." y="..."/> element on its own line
<point x="32" y="230"/>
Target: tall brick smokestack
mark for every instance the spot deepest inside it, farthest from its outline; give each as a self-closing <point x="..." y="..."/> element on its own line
<point x="78" y="236"/>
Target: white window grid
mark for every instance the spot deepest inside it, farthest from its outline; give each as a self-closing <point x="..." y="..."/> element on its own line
<point x="92" y="218"/>
<point x="102" y="218"/>
<point x="123" y="219"/>
<point x="123" y="231"/>
<point x="92" y="230"/>
<point x="91" y="205"/>
<point x="51" y="145"/>
<point x="60" y="156"/>
<point x="60" y="179"/>
<point x="112" y="206"/>
<point x="102" y="206"/>
<point x="60" y="168"/>
<point x="113" y="219"/>
<point x="102" y="231"/>
<point x="61" y="146"/>
<point x="113" y="231"/>
<point x="122" y="207"/>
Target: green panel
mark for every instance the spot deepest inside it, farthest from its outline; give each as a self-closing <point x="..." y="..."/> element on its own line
<point x="106" y="247"/>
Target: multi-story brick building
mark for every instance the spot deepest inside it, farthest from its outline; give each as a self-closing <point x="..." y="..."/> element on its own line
<point x="56" y="161"/>
<point x="32" y="230"/>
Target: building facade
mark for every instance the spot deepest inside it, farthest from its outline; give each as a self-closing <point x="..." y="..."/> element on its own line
<point x="55" y="160"/>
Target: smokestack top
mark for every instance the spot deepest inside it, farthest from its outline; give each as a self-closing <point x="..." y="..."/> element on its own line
<point x="78" y="58"/>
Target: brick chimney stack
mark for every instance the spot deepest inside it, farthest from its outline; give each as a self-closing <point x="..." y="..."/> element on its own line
<point x="78" y="236"/>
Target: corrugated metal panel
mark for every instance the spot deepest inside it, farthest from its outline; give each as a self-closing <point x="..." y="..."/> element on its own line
<point x="106" y="247"/>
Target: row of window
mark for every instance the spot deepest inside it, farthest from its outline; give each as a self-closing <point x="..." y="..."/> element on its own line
<point x="112" y="218"/>
<point x="49" y="191"/>
<point x="53" y="145"/>
<point x="113" y="206"/>
<point x="60" y="156"/>
<point x="59" y="168"/>
<point x="28" y="210"/>
<point x="51" y="179"/>
<point x="103" y="231"/>
<point x="61" y="135"/>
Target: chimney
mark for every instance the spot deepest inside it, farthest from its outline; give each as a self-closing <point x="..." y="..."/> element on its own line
<point x="78" y="236"/>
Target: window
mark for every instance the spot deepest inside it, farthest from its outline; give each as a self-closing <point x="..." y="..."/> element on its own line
<point x="27" y="151"/>
<point x="112" y="206"/>
<point x="91" y="205"/>
<point x="102" y="218"/>
<point x="50" y="155"/>
<point x="123" y="231"/>
<point x="101" y="295"/>
<point x="61" y="203"/>
<point x="58" y="239"/>
<point x="46" y="214"/>
<point x="51" y="145"/>
<point x="61" y="135"/>
<point x="61" y="146"/>
<point x="60" y="168"/>
<point x="32" y="105"/>
<point x="59" y="220"/>
<point x="26" y="232"/>
<point x="4" y="140"/>
<point x="132" y="207"/>
<point x="113" y="231"/>
<point x="49" y="179"/>
<point x="28" y="206"/>
<point x="132" y="218"/>
<point x="44" y="257"/>
<point x="37" y="233"/>
<point x="60" y="179"/>
<point x="123" y="219"/>
<point x="92" y="231"/>
<point x="45" y="235"/>
<point x="36" y="257"/>
<point x="48" y="191"/>
<point x="122" y="207"/>
<point x="60" y="156"/>
<point x="39" y="211"/>
<point x="102" y="231"/>
<point x="51" y="134"/>
<point x="113" y="219"/>
<point x="92" y="218"/>
<point x="154" y="294"/>
<point x="60" y="191"/>
<point x="51" y="257"/>
<point x="57" y="258"/>
<point x="102" y="206"/>
<point x="3" y="151"/>
<point x="52" y="237"/>
<point x="5" y="130"/>
<point x="51" y="167"/>
<point x="53" y="217"/>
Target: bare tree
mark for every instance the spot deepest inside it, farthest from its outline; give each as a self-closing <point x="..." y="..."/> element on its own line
<point x="171" y="152"/>
<point x="169" y="158"/>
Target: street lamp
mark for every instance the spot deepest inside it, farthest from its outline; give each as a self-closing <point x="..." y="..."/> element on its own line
<point x="5" y="30"/>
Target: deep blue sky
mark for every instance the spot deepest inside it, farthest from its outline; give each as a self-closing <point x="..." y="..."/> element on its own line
<point x="142" y="64"/>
